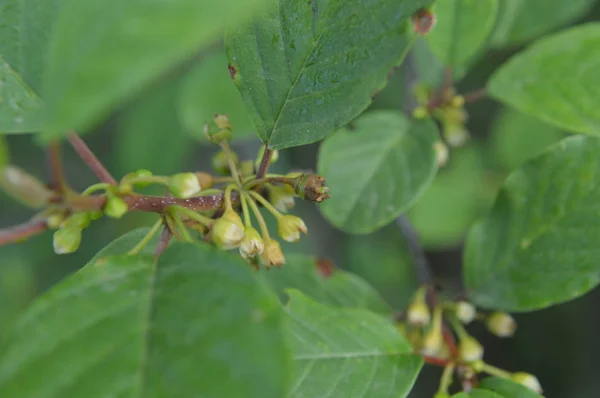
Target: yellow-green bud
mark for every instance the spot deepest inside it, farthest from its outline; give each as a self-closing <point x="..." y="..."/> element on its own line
<point x="205" y="180"/>
<point x="54" y="220"/>
<point x="115" y="207"/>
<point x="252" y="245"/>
<point x="24" y="187"/>
<point x="458" y="101"/>
<point x="220" y="163"/>
<point x="420" y="112"/>
<point x="455" y="134"/>
<point x="527" y="380"/>
<point x="290" y="227"/>
<point x="77" y="220"/>
<point x="222" y="121"/>
<point x="184" y="185"/>
<point x="417" y="313"/>
<point x="261" y="153"/>
<point x="441" y="152"/>
<point x="465" y="312"/>
<point x="272" y="255"/>
<point x="66" y="240"/>
<point x="469" y="349"/>
<point x="228" y="230"/>
<point x="433" y="340"/>
<point x="501" y="324"/>
<point x="220" y="130"/>
<point x="141" y="173"/>
<point x="125" y="188"/>
<point x="282" y="197"/>
<point x="247" y="168"/>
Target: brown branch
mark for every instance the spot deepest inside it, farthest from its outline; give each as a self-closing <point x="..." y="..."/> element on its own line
<point x="436" y="361"/>
<point x="449" y="340"/>
<point x="55" y="166"/>
<point x="163" y="242"/>
<point x="21" y="232"/>
<point x="90" y="159"/>
<point x="474" y="96"/>
<point x="264" y="163"/>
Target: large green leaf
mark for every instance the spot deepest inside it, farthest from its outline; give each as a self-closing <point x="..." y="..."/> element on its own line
<point x="462" y="30"/>
<point x="537" y="246"/>
<point x="479" y="393"/>
<point x="556" y="79"/>
<point x="4" y="155"/>
<point x="310" y="67"/>
<point x="124" y="243"/>
<point x="507" y="388"/>
<point x="103" y="51"/>
<point x="522" y="20"/>
<point x="195" y="323"/>
<point x="347" y="353"/>
<point x="20" y="107"/>
<point x="341" y="288"/>
<point x="377" y="170"/>
<point x="209" y="89"/>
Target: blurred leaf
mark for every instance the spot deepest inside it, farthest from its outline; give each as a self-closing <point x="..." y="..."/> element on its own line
<point x="427" y="66"/>
<point x="382" y="258"/>
<point x="4" y="155"/>
<point x="341" y="289"/>
<point x="21" y="107"/>
<point x="555" y="80"/>
<point x="517" y="137"/>
<point x="308" y="68"/>
<point x="18" y="285"/>
<point x="127" y="45"/>
<point x="376" y="171"/>
<point x="459" y="195"/>
<point x="537" y="246"/>
<point x="150" y="135"/>
<point x="507" y="388"/>
<point x="123" y="244"/>
<point x="479" y="393"/>
<point x="207" y="90"/>
<point x="462" y="30"/>
<point x="522" y="20"/>
<point x="193" y="323"/>
<point x="347" y="353"/>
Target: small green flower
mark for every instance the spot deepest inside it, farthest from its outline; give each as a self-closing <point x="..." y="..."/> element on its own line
<point x="77" y="220"/>
<point x="290" y="227"/>
<point x="273" y="255"/>
<point x="184" y="185"/>
<point x="67" y="240"/>
<point x="418" y="313"/>
<point x="252" y="245"/>
<point x="465" y="312"/>
<point x="282" y="197"/>
<point x="470" y="350"/>
<point x="228" y="230"/>
<point x="115" y="207"/>
<point x="527" y="380"/>
<point x="501" y="324"/>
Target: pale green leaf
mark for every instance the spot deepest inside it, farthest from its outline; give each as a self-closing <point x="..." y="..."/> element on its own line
<point x="104" y="51"/>
<point x="341" y="288"/>
<point x="377" y="170"/>
<point x="556" y="79"/>
<point x="462" y="30"/>
<point x="197" y="323"/>
<point x="522" y="20"/>
<point x="537" y="246"/>
<point x="309" y="67"/>
<point x="347" y="353"/>
<point x="20" y="107"/>
<point x="507" y="388"/>
<point x="209" y="89"/>
<point x="124" y="243"/>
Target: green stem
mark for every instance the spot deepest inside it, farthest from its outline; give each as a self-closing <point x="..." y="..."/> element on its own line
<point x="458" y="327"/>
<point x="150" y="180"/>
<point x="202" y="219"/>
<point x="247" y="222"/>
<point x="494" y="371"/>
<point x="94" y="188"/>
<point x="266" y="204"/>
<point x="227" y="199"/>
<point x="147" y="238"/>
<point x="269" y="178"/>
<point x="259" y="217"/>
<point x="234" y="171"/>
<point x="446" y="380"/>
<point x="221" y="180"/>
<point x="185" y="234"/>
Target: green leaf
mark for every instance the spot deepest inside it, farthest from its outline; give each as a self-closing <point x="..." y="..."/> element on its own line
<point x="209" y="89"/>
<point x="195" y="323"/>
<point x="517" y="137"/>
<point x="340" y="289"/>
<point x="555" y="80"/>
<point x="21" y="107"/>
<point x="376" y="171"/>
<point x="382" y="258"/>
<point x="507" y="388"/>
<point x="536" y="247"/>
<point x="462" y="30"/>
<point x="127" y="46"/>
<point x="308" y="67"/>
<point x="347" y="353"/>
<point x="123" y="244"/>
<point x="4" y="155"/>
<point x="150" y="135"/>
<point x="479" y="393"/>
<point x="522" y="20"/>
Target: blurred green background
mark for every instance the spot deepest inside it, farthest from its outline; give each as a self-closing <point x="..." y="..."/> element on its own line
<point x="161" y="131"/>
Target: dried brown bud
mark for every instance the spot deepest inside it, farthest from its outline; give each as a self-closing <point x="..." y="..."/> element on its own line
<point x="311" y="187"/>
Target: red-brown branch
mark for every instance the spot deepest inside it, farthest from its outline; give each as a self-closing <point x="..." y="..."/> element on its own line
<point x="163" y="242"/>
<point x="90" y="159"/>
<point x="57" y="177"/>
<point x="21" y="232"/>
<point x="474" y="96"/>
<point x="264" y="163"/>
<point x="449" y="340"/>
<point x="436" y="361"/>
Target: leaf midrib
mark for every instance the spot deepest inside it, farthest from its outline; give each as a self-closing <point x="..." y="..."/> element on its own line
<point x="350" y="355"/>
<point x="142" y="375"/>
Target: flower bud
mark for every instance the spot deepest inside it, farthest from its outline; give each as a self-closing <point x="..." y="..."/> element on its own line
<point x="219" y="131"/>
<point x="247" y="168"/>
<point x="458" y="101"/>
<point x="433" y="340"/>
<point x="228" y="230"/>
<point x="54" y="220"/>
<point x="441" y="152"/>
<point x="282" y="197"/>
<point x="465" y="312"/>
<point x="272" y="255"/>
<point x="420" y="112"/>
<point x="252" y="244"/>
<point x="417" y="313"/>
<point x="311" y="187"/>
<point x="24" y="187"/>
<point x="469" y="349"/>
<point x="77" y="220"/>
<point x="527" y="380"/>
<point x="141" y="173"/>
<point x="184" y="185"/>
<point x="501" y="324"/>
<point x="222" y="121"/>
<point x="289" y="228"/>
<point x="261" y="153"/>
<point x="220" y="163"/>
<point x="115" y="207"/>
<point x="205" y="180"/>
<point x="66" y="240"/>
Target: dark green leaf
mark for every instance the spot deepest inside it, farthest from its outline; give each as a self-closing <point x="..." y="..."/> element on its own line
<point x="522" y="20"/>
<point x="310" y="67"/>
<point x="462" y="30"/>
<point x="382" y="258"/>
<point x="479" y="393"/>
<point x="124" y="243"/>
<point x="537" y="246"/>
<point x="207" y="90"/>
<point x="341" y="289"/>
<point x="127" y="45"/>
<point x="376" y="171"/>
<point x="196" y="323"/>
<point x="150" y="135"/>
<point x="21" y="107"/>
<point x="4" y="155"/>
<point x="507" y="388"/>
<point x="347" y="353"/>
<point x="555" y="79"/>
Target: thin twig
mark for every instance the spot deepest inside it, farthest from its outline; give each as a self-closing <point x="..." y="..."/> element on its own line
<point x="163" y="242"/>
<point x="264" y="163"/>
<point x="55" y="166"/>
<point x="474" y="96"/>
<point x="417" y="253"/>
<point x="436" y="361"/>
<point x="21" y="232"/>
<point x="90" y="159"/>
<point x="449" y="340"/>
